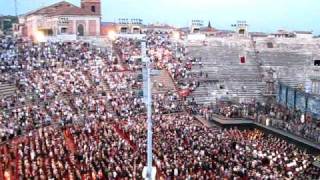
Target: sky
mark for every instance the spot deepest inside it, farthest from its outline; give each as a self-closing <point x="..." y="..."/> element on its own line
<point x="261" y="15"/>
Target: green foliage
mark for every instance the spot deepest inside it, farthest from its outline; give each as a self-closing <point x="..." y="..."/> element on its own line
<point x="7" y="22"/>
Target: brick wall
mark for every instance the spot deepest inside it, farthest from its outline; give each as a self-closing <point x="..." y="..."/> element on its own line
<point x="71" y="29"/>
<point x="92" y="28"/>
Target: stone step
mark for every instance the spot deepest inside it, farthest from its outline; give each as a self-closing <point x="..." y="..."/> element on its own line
<point x="5" y="85"/>
<point x="165" y="79"/>
<point x="7" y="89"/>
<point x="6" y="93"/>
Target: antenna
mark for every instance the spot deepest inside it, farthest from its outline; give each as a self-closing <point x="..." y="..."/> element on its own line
<point x="16" y="8"/>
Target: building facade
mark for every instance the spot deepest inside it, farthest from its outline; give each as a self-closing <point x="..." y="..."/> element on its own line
<point x="303" y="34"/>
<point x="62" y="20"/>
<point x="129" y="26"/>
<point x="241" y="29"/>
<point x="196" y="26"/>
<point x="160" y="28"/>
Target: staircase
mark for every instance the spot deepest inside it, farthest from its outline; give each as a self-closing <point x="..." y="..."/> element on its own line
<point x="7" y="89"/>
<point x="222" y="64"/>
<point x="290" y="67"/>
<point x="256" y="58"/>
<point x="165" y="80"/>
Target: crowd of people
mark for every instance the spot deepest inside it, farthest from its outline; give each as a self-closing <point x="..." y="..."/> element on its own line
<point x="164" y="54"/>
<point x="293" y="121"/>
<point x="53" y="80"/>
<point x="214" y="153"/>
<point x="274" y="115"/>
<point x="77" y="114"/>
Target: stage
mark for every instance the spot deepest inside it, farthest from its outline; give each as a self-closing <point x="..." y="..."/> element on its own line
<point x="249" y="124"/>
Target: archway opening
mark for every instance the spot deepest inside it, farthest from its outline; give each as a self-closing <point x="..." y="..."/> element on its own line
<point x="80" y="30"/>
<point x="196" y="30"/>
<point x="241" y="31"/>
<point x="124" y="30"/>
<point x="136" y="30"/>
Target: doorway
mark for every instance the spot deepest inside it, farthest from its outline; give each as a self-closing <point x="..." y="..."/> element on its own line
<point x="80" y="30"/>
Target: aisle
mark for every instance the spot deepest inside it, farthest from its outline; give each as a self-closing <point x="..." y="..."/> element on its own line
<point x="69" y="141"/>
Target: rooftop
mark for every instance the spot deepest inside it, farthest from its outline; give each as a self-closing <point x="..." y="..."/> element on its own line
<point x="60" y="8"/>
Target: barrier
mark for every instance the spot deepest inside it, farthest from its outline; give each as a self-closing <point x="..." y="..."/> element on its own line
<point x="61" y="37"/>
<point x="298" y="100"/>
<point x="131" y="36"/>
<point x="290" y="101"/>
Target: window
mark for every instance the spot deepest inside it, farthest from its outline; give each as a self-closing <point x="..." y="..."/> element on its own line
<point x="93" y="9"/>
<point x="124" y="29"/>
<point x="64" y="30"/>
<point x="270" y="45"/>
<point x="316" y="62"/>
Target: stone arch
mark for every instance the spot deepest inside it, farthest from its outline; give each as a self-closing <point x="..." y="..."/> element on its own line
<point x="80" y="30"/>
<point x="242" y="31"/>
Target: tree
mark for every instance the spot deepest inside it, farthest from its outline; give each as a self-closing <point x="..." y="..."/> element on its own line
<point x="7" y="21"/>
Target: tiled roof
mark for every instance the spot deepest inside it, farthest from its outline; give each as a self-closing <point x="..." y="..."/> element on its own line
<point x="91" y="1"/>
<point x="108" y="24"/>
<point x="71" y="11"/>
<point x="303" y="32"/>
<point x="259" y="34"/>
<point x="60" y="8"/>
<point x="166" y="26"/>
<point x="207" y="29"/>
<point x="281" y="32"/>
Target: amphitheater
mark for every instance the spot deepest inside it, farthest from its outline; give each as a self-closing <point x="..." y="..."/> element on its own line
<point x="290" y="60"/>
<point x="82" y="99"/>
<point x="73" y="111"/>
